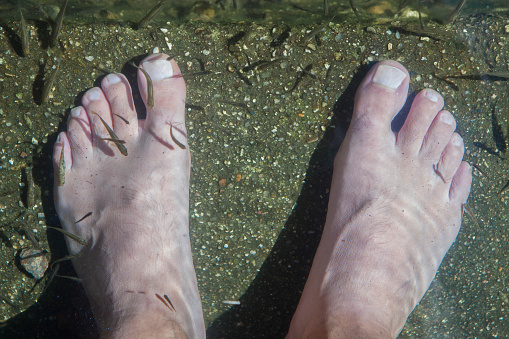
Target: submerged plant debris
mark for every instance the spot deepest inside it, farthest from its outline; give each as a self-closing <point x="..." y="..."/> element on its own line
<point x="263" y="124"/>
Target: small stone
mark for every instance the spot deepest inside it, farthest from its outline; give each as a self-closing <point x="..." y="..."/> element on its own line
<point x="34" y="262"/>
<point x="311" y="47"/>
<point x="222" y="182"/>
<point x="238" y="177"/>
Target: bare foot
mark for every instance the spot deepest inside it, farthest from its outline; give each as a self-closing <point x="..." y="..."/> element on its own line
<point x="395" y="208"/>
<point x="136" y="267"/>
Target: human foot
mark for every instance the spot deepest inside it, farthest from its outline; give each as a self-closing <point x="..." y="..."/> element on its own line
<point x="395" y="208"/>
<point x="137" y="266"/>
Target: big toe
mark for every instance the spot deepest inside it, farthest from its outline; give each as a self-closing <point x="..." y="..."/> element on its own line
<point x="164" y="93"/>
<point x="379" y="98"/>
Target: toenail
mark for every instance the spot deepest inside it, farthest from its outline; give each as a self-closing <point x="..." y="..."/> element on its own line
<point x="113" y="79"/>
<point x="158" y="69"/>
<point x="388" y="76"/>
<point x="431" y="95"/>
<point x="75" y="112"/>
<point x="94" y="94"/>
<point x="447" y="118"/>
<point x="457" y="140"/>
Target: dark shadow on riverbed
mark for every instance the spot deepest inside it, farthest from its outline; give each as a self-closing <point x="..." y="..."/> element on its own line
<point x="268" y="305"/>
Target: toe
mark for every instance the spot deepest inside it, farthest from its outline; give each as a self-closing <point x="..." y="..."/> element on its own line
<point x="119" y="94"/>
<point x="79" y="135"/>
<point x="438" y="137"/>
<point x="62" y="159"/>
<point x="164" y="94"/>
<point x="99" y="114"/>
<point x="461" y="182"/>
<point x="451" y="158"/>
<point x="379" y="98"/>
<point x="425" y="108"/>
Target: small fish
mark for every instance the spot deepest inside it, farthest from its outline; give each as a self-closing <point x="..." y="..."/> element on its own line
<point x="31" y="237"/>
<point x="231" y="302"/>
<point x="317" y="30"/>
<point x="233" y="103"/>
<point x="504" y="188"/>
<point x="164" y="302"/>
<point x="192" y="75"/>
<point x="466" y="208"/>
<point x="67" y="257"/>
<point x="354" y="8"/>
<point x="116" y="141"/>
<point x="61" y="168"/>
<point x="114" y="138"/>
<point x="171" y="57"/>
<point x="123" y="119"/>
<point x="179" y="144"/>
<point x="302" y="8"/>
<point x="150" y="88"/>
<point x="25" y="42"/>
<point x="232" y="41"/>
<point x="70" y="235"/>
<point x="58" y="25"/>
<point x="68" y="277"/>
<point x="147" y="18"/>
<point x="281" y="38"/>
<point x="48" y="84"/>
<point x="86" y="216"/>
<point x="480" y="170"/>
<point x="168" y="300"/>
<point x="454" y="14"/>
<point x="307" y="71"/>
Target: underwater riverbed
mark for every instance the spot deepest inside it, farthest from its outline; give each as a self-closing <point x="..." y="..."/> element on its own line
<point x="263" y="128"/>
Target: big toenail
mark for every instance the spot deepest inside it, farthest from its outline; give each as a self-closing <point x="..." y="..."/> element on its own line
<point x="94" y="94"/>
<point x="431" y="95"/>
<point x="388" y="76"/>
<point x="446" y="118"/>
<point x="113" y="78"/>
<point x="158" y="69"/>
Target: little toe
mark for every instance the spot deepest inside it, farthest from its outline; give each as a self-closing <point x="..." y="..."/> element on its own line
<point x="164" y="93"/>
<point x="451" y="158"/>
<point x="62" y="159"/>
<point x="380" y="97"/>
<point x="425" y="108"/>
<point x="119" y="94"/>
<point x="438" y="136"/>
<point x="461" y="182"/>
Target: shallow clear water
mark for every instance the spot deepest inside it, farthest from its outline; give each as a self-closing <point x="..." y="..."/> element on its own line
<point x="254" y="238"/>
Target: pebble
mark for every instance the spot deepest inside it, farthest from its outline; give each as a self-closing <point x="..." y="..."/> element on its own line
<point x="222" y="182"/>
<point x="34" y="262"/>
